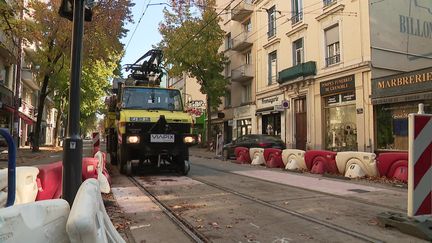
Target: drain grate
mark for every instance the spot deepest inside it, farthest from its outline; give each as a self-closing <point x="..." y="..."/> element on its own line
<point x="358" y="190"/>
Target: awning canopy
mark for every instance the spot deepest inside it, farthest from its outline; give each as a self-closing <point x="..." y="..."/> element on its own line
<point x="26" y="119"/>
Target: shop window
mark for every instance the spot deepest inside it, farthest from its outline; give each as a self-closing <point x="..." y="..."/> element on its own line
<point x="271" y="13"/>
<point x="244" y="127"/>
<point x="272" y="68"/>
<point x="391" y="124"/>
<point x="332" y="45"/>
<point x="298" y="51"/>
<point x="340" y="119"/>
<point x="271" y="124"/>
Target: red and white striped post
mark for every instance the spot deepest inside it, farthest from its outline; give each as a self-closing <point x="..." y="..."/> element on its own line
<point x="96" y="142"/>
<point x="419" y="164"/>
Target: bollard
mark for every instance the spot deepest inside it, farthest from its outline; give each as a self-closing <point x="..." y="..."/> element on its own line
<point x="11" y="167"/>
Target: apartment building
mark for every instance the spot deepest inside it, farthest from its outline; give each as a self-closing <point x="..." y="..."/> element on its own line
<point x="7" y="65"/>
<point x="328" y="74"/>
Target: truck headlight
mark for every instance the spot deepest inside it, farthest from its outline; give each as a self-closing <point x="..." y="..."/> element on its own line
<point x="133" y="139"/>
<point x="189" y="139"/>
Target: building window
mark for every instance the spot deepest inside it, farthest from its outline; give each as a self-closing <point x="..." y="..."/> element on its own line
<point x="248" y="57"/>
<point x="271" y="22"/>
<point x="392" y="123"/>
<point x="247" y="26"/>
<point x="271" y="124"/>
<point x="298" y="52"/>
<point x="297" y="14"/>
<point x="272" y="68"/>
<point x="228" y="98"/>
<point x="228" y="41"/>
<point x="332" y="43"/>
<point x="328" y="2"/>
<point x="228" y="70"/>
<point x="247" y="93"/>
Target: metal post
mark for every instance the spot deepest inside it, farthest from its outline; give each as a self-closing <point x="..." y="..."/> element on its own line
<point x="72" y="146"/>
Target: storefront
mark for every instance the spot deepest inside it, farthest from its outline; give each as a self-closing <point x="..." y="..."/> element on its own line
<point x="269" y="112"/>
<point x="339" y="100"/>
<point x="243" y="123"/>
<point x="393" y="98"/>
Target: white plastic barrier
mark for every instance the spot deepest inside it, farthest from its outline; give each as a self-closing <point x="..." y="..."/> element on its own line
<point x="38" y="222"/>
<point x="293" y="159"/>
<point x="103" y="181"/>
<point x="356" y="164"/>
<point x="88" y="220"/>
<point x="26" y="185"/>
<point x="257" y="156"/>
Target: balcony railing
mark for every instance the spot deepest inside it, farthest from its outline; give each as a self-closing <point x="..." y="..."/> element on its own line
<point x="242" y="10"/>
<point x="7" y="47"/>
<point x="332" y="60"/>
<point x="242" y="73"/>
<point x="328" y="2"/>
<point x="297" y="71"/>
<point x="241" y="42"/>
<point x="297" y="18"/>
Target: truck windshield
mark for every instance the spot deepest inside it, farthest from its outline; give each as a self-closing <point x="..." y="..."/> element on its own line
<point x="152" y="99"/>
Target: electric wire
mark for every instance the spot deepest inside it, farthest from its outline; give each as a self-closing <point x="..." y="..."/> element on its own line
<point x="136" y="26"/>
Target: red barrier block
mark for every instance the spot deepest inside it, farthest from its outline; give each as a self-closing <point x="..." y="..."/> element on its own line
<point x="393" y="165"/>
<point x="49" y="181"/>
<point x="273" y="158"/>
<point x="89" y="168"/>
<point x="242" y="155"/>
<point x="321" y="161"/>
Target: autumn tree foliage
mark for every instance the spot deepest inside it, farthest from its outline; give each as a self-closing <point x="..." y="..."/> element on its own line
<point x="191" y="41"/>
<point x="50" y="37"/>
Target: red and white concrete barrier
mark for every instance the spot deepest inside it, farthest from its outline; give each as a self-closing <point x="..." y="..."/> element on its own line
<point x="96" y="142"/>
<point x="419" y="164"/>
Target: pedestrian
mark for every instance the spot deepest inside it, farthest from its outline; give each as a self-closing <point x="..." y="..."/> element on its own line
<point x="30" y="140"/>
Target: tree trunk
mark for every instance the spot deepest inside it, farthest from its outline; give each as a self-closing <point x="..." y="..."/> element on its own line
<point x="57" y="124"/>
<point x="209" y="137"/>
<point x="41" y="103"/>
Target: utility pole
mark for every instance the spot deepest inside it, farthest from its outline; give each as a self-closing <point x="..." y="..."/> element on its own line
<point x="73" y="144"/>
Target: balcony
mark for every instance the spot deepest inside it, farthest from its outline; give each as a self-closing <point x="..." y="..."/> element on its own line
<point x="242" y="10"/>
<point x="7" y="47"/>
<point x="297" y="18"/>
<point x="241" y="42"/>
<point x="332" y="60"/>
<point x="242" y="73"/>
<point x="28" y="78"/>
<point x="297" y="71"/>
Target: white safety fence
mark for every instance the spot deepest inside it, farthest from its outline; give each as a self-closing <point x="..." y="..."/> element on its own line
<point x="88" y="221"/>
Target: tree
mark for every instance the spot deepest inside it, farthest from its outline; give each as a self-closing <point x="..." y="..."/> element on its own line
<point x="197" y="55"/>
<point x="51" y="35"/>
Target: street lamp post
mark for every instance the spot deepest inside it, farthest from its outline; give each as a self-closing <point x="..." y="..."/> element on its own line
<point x="73" y="144"/>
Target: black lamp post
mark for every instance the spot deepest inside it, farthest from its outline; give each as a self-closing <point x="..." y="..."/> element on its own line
<point x="73" y="144"/>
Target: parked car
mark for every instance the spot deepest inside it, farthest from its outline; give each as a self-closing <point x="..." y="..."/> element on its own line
<point x="253" y="141"/>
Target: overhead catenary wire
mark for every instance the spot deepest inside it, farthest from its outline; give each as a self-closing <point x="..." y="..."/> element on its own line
<point x="136" y="26"/>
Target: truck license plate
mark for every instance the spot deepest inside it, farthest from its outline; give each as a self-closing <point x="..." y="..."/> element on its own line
<point x="162" y="138"/>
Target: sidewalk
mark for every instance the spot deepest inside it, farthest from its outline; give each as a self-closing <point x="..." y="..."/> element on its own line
<point x="26" y="157"/>
<point x="203" y="153"/>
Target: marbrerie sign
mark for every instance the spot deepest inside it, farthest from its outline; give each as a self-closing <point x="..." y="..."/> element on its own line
<point x="406" y="83"/>
<point x="270" y="101"/>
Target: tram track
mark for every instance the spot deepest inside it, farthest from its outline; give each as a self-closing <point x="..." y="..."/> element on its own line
<point x="356" y="200"/>
<point x="184" y="226"/>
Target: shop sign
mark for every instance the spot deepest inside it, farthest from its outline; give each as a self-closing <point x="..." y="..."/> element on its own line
<point x="338" y="85"/>
<point x="269" y="101"/>
<point x="242" y="111"/>
<point x="402" y="98"/>
<point x="279" y="108"/>
<point x="230" y="123"/>
<point x="332" y="99"/>
<point x="407" y="83"/>
<point x="348" y="96"/>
